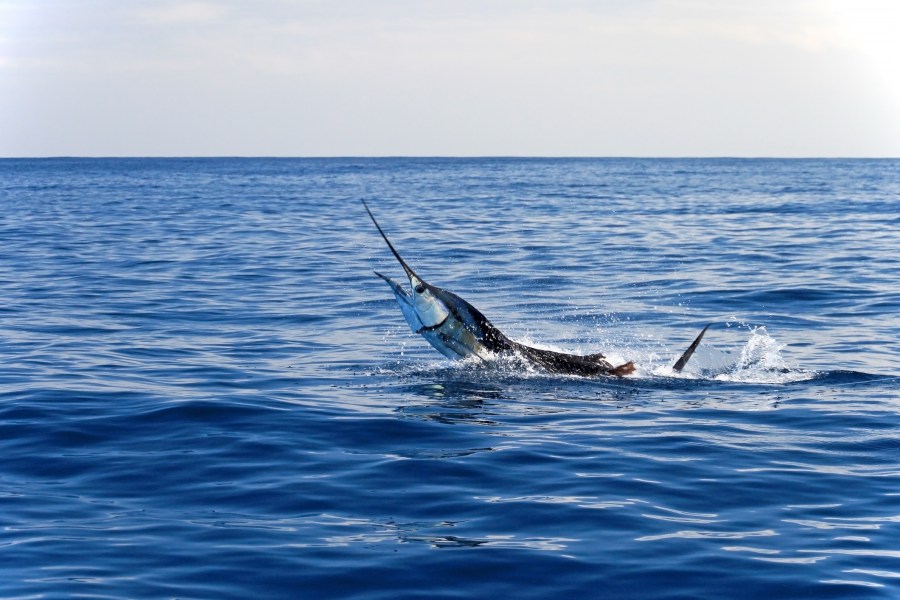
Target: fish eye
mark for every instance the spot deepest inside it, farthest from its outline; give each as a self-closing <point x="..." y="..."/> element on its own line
<point x="420" y="289"/>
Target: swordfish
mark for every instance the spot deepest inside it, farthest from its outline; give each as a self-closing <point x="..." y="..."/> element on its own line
<point x="458" y="330"/>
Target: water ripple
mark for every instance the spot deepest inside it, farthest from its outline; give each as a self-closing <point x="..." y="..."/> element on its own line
<point x="205" y="393"/>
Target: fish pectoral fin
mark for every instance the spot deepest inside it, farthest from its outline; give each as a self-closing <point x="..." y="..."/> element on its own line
<point x="425" y="328"/>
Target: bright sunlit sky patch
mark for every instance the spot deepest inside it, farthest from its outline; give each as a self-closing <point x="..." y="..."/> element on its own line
<point x="450" y="77"/>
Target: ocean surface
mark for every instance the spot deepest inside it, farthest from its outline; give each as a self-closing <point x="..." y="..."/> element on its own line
<point x="205" y="392"/>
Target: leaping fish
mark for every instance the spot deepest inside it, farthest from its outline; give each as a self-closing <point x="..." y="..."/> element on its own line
<point x="458" y="330"/>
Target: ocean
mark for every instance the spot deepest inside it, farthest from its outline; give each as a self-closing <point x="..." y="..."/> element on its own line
<point x="205" y="391"/>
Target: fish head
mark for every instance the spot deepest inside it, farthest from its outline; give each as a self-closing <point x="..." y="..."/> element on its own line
<point x="430" y="309"/>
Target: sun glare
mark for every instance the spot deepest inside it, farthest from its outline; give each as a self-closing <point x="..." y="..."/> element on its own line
<point x="869" y="28"/>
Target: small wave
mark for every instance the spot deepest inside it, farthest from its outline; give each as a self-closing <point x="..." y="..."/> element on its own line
<point x="844" y="377"/>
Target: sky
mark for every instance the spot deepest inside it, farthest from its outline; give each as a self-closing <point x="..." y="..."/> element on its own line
<point x="783" y="78"/>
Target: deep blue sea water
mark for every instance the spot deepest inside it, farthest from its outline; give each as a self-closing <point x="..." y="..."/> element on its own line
<point x="206" y="393"/>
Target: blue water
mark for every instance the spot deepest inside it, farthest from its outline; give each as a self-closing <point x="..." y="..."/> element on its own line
<point x="206" y="393"/>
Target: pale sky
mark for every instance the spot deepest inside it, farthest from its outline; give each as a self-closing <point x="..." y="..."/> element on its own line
<point x="450" y="78"/>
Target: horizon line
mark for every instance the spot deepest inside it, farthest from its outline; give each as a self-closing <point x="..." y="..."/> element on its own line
<point x="439" y="157"/>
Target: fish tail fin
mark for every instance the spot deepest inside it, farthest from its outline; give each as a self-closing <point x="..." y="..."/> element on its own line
<point x="681" y="362"/>
<point x="622" y="370"/>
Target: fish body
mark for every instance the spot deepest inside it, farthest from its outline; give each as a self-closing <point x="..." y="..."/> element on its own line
<point x="458" y="330"/>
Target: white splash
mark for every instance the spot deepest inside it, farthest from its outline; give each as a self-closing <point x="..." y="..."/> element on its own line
<point x="761" y="361"/>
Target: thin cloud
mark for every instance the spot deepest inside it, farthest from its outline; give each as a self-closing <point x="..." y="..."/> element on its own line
<point x="588" y="77"/>
<point x="183" y="12"/>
